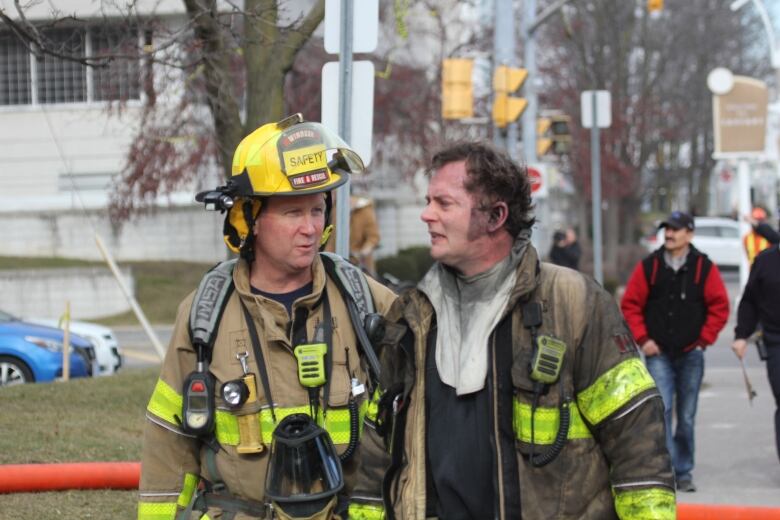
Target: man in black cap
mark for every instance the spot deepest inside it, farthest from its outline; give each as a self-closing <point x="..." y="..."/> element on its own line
<point x="675" y="305"/>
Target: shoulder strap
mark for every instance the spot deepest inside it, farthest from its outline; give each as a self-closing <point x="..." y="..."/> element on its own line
<point x="650" y="266"/>
<point x="209" y="304"/>
<point x="353" y="287"/>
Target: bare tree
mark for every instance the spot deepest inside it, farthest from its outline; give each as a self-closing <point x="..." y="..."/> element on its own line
<point x="655" y="69"/>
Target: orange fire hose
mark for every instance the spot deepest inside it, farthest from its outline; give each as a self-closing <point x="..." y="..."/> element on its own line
<point x="718" y="512"/>
<point x="21" y="478"/>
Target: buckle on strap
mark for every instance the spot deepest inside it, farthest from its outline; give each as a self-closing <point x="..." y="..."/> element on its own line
<point x="236" y="505"/>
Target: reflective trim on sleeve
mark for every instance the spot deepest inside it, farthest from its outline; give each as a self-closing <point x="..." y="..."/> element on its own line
<point x="546" y="421"/>
<point x="373" y="406"/>
<point x="156" y="510"/>
<point x="655" y="503"/>
<point x="616" y="387"/>
<point x="165" y="402"/>
<point x="336" y="423"/>
<point x="366" y="512"/>
<point x="188" y="489"/>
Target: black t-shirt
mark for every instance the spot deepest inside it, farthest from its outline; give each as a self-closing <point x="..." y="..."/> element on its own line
<point x="287" y="298"/>
<point x="459" y="451"/>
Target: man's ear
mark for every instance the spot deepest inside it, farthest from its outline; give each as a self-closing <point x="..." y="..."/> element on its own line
<point x="497" y="217"/>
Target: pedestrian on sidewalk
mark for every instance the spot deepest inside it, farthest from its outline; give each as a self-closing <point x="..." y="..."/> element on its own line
<point x="676" y="304"/>
<point x="760" y="306"/>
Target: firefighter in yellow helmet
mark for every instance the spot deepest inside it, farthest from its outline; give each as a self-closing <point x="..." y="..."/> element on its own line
<point x="271" y="335"/>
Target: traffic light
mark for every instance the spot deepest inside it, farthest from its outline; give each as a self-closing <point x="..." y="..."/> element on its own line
<point x="654" y="6"/>
<point x="506" y="109"/>
<point x="457" y="98"/>
<point x="561" y="138"/>
<point x="543" y="141"/>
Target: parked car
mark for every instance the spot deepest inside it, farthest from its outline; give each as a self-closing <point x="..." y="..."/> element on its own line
<point x="107" y="351"/>
<point x="717" y="237"/>
<point x="33" y="353"/>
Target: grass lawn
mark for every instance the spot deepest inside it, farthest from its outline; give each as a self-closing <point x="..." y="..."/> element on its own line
<point x="83" y="420"/>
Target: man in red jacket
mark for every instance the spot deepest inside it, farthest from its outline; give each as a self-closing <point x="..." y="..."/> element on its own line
<point x="675" y="305"/>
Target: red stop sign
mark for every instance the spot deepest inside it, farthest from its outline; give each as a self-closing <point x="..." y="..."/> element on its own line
<point x="535" y="177"/>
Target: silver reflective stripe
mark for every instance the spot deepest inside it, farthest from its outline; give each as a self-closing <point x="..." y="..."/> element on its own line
<point x="208" y="301"/>
<point x="158" y="494"/>
<point x="167" y="426"/>
<point x="654" y="483"/>
<point x="634" y="406"/>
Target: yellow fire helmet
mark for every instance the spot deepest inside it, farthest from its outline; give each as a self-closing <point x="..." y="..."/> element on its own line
<point x="291" y="157"/>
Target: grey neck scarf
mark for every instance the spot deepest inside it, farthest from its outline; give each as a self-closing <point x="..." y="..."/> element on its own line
<point x="468" y="308"/>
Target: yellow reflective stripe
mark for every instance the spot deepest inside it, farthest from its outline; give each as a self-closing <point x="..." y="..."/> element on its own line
<point x="188" y="489"/>
<point x="546" y="421"/>
<point x="373" y="405"/>
<point x="165" y="402"/>
<point x="655" y="503"/>
<point x="366" y="512"/>
<point x="614" y="389"/>
<point x="336" y="423"/>
<point x="156" y="510"/>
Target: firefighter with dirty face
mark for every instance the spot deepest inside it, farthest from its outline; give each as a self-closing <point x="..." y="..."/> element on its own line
<point x="259" y="408"/>
<point x="510" y="388"/>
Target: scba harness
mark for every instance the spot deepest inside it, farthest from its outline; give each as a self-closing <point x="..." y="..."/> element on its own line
<point x="198" y="409"/>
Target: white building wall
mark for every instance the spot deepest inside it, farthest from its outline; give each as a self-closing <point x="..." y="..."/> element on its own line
<point x="43" y="293"/>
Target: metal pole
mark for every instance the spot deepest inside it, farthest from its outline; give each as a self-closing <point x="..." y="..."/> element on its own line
<point x="595" y="167"/>
<point x="345" y="122"/>
<point x="743" y="208"/>
<point x="529" y="57"/>
<point x="504" y="45"/>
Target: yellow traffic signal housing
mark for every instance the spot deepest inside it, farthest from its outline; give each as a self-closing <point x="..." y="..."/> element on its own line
<point x="508" y="79"/>
<point x="506" y="109"/>
<point x="655" y="5"/>
<point x="457" y="97"/>
<point x="561" y="135"/>
<point x="543" y="142"/>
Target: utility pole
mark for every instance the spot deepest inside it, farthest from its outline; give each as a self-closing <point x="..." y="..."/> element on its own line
<point x="345" y="123"/>
<point x="504" y="54"/>
<point x="529" y="58"/>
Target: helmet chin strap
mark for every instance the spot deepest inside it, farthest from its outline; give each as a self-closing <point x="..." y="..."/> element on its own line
<point x="328" y="231"/>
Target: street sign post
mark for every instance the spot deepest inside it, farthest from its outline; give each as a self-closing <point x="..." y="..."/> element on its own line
<point x="596" y="108"/>
<point x="350" y="26"/>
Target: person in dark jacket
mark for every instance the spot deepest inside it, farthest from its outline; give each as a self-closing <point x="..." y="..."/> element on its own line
<point x="474" y="427"/>
<point x="676" y="304"/>
<point x="760" y="305"/>
<point x="566" y="250"/>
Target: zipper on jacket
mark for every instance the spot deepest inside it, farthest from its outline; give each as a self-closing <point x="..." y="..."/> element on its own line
<point x="495" y="441"/>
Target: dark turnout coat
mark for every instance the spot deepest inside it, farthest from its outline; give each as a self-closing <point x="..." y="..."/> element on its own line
<point x="614" y="463"/>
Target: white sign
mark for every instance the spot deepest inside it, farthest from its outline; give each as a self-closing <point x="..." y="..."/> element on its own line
<point x="362" y="127"/>
<point x="537" y="175"/>
<point x="603" y="108"/>
<point x="365" y="25"/>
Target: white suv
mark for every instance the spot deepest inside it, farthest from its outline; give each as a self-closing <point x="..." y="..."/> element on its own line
<point x="717" y="237"/>
<point x="108" y="355"/>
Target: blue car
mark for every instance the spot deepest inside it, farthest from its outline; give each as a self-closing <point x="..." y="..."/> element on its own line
<point x="33" y="353"/>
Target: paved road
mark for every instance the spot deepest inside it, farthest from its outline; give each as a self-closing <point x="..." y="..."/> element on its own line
<point x="736" y="461"/>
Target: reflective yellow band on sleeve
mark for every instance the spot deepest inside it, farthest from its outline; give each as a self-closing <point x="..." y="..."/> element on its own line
<point x="373" y="405"/>
<point x="165" y="402"/>
<point x="366" y="512"/>
<point x="655" y="503"/>
<point x="614" y="389"/>
<point x="546" y="422"/>
<point x="336" y="423"/>
<point x="156" y="511"/>
<point x="188" y="489"/>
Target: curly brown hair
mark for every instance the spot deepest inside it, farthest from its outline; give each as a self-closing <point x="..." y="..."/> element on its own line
<point x="492" y="177"/>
